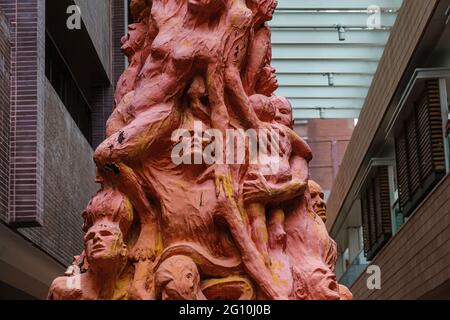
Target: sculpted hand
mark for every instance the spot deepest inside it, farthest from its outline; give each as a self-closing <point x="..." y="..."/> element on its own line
<point x="222" y="179"/>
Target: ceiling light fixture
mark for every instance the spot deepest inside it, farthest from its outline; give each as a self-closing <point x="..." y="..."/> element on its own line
<point x="341" y="32"/>
<point x="330" y="76"/>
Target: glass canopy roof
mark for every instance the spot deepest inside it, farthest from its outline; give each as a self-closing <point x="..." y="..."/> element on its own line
<point x="327" y="51"/>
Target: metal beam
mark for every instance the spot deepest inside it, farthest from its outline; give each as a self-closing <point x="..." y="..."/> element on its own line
<point x="341" y="4"/>
<point x="300" y="36"/>
<point x="324" y="66"/>
<point x="294" y="19"/>
<point x="323" y="92"/>
<point x="334" y="103"/>
<point x="335" y="51"/>
<point x="319" y="79"/>
<point x="300" y="114"/>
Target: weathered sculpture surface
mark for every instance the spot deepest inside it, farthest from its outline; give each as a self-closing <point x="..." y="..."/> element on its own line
<point x="184" y="211"/>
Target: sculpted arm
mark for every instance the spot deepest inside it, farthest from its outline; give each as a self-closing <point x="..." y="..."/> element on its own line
<point x="299" y="146"/>
<point x="263" y="192"/>
<point x="251" y="257"/>
<point x="257" y="58"/>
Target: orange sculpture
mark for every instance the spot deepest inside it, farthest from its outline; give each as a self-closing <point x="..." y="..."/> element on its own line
<point x="320" y="208"/>
<point x="204" y="184"/>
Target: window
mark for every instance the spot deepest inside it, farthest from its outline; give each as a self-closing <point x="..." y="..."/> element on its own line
<point x="376" y="210"/>
<point x="420" y="150"/>
<point x="59" y="75"/>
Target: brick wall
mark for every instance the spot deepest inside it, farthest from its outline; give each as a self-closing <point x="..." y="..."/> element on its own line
<point x="27" y="20"/>
<point x="416" y="260"/>
<point x="68" y="182"/>
<point x="5" y="51"/>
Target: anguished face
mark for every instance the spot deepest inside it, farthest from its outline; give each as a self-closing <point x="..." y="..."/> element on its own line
<point x="318" y="200"/>
<point x="284" y="111"/>
<point x="103" y="243"/>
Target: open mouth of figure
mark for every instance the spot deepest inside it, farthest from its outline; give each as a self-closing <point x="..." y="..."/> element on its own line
<point x="98" y="247"/>
<point x="321" y="213"/>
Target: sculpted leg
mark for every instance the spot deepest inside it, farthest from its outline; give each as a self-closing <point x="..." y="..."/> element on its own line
<point x="257" y="217"/>
<point x="251" y="258"/>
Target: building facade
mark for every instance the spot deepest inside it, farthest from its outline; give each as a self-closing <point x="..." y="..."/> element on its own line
<point x="389" y="209"/>
<point x="56" y="85"/>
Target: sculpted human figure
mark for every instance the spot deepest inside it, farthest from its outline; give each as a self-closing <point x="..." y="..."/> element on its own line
<point x="159" y="90"/>
<point x="105" y="251"/>
<point x="161" y="228"/>
<point x="308" y="241"/>
<point x="136" y="47"/>
<point x="132" y="47"/>
<point x="177" y="278"/>
<point x="320" y="208"/>
<point x="280" y="261"/>
<point x="260" y="52"/>
<point x="268" y="184"/>
<point x="307" y="245"/>
<point x="181" y="43"/>
<point x="237" y="36"/>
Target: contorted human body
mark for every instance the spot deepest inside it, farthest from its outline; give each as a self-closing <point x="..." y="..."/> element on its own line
<point x="199" y="230"/>
<point x="107" y="221"/>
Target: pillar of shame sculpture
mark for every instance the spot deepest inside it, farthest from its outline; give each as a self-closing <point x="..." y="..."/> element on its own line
<point x="185" y="211"/>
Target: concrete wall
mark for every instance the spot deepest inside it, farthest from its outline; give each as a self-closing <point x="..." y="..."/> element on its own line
<point x="5" y="48"/>
<point x="415" y="263"/>
<point x="96" y="15"/>
<point x="68" y="183"/>
<point x="24" y="269"/>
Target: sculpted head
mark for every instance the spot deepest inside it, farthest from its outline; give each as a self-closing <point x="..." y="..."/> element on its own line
<point x="318" y="200"/>
<point x="283" y="111"/>
<point x="134" y="40"/>
<point x="263" y="9"/>
<point x="104" y="245"/>
<point x="267" y="83"/>
<point x="107" y="219"/>
<point x="263" y="107"/>
<point x="177" y="278"/>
